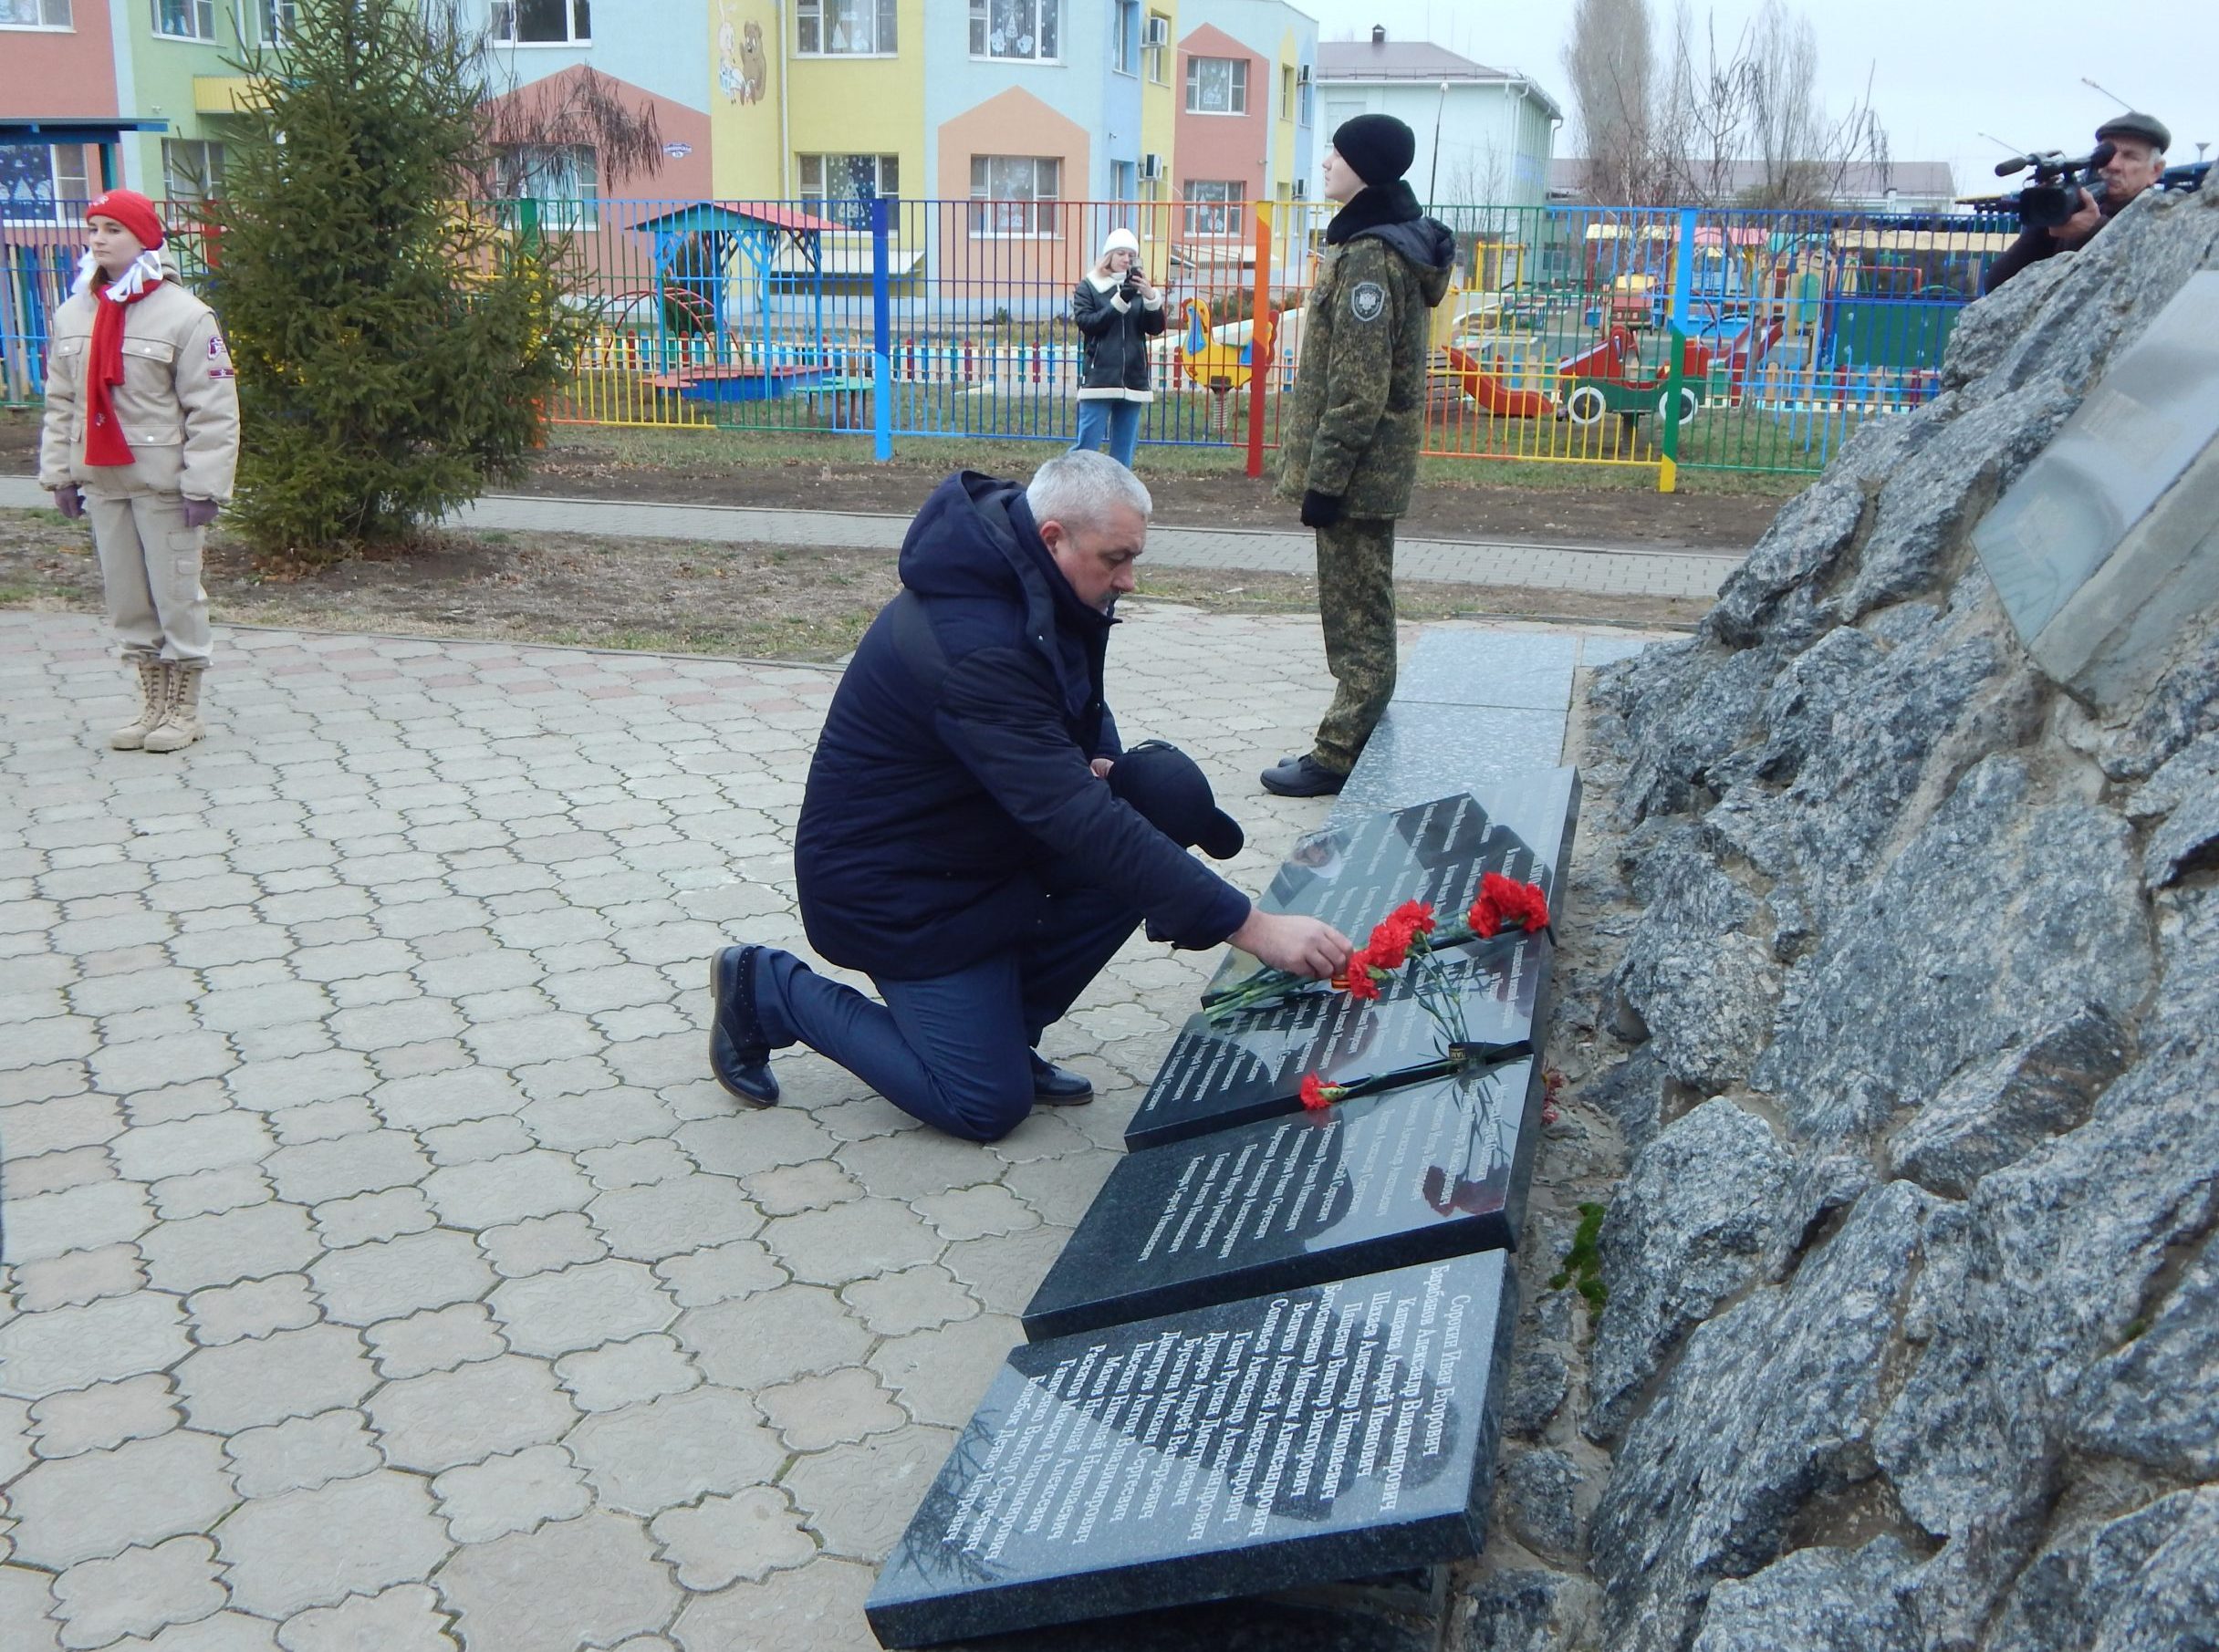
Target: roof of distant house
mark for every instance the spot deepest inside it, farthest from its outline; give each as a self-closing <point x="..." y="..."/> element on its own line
<point x="1920" y="179"/>
<point x="1413" y="60"/>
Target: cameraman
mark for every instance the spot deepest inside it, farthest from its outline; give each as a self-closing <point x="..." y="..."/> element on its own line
<point x="2139" y="143"/>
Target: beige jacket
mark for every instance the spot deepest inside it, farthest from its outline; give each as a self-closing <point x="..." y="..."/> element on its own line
<point x="177" y="405"/>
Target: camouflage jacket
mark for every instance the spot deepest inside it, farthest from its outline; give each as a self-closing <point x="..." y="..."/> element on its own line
<point x="1359" y="404"/>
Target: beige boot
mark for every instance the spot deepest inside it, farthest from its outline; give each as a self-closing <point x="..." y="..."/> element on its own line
<point x="181" y="725"/>
<point x="153" y="705"/>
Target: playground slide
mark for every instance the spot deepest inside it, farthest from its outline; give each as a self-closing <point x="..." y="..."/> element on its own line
<point x="1492" y="394"/>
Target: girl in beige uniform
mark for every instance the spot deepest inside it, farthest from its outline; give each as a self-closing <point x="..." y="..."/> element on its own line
<point x="141" y="435"/>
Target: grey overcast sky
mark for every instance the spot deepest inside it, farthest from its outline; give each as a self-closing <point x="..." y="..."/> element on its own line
<point x="1943" y="71"/>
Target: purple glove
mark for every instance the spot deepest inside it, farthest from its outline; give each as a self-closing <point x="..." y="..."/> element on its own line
<point x="69" y="502"/>
<point x="200" y="513"/>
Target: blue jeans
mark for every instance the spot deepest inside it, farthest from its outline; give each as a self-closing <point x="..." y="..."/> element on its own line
<point x="1119" y="421"/>
<point x="954" y="1050"/>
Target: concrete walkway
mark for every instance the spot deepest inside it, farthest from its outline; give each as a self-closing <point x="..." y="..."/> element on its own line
<point x="1595" y="570"/>
<point x="383" y="1268"/>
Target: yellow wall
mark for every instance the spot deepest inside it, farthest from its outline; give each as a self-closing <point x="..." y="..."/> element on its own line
<point x="1158" y="132"/>
<point x="862" y="106"/>
<point x="1283" y="130"/>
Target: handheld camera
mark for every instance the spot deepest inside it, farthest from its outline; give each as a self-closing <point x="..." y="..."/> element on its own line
<point x="2054" y="195"/>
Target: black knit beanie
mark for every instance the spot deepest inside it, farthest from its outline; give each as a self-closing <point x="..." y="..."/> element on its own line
<point x="1378" y="147"/>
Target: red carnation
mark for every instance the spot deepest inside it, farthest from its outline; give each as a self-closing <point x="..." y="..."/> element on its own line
<point x="1505" y="901"/>
<point x="1317" y="1096"/>
<point x="1355" y="979"/>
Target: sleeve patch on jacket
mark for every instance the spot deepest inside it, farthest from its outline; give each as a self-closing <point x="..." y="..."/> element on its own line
<point x="1367" y="300"/>
<point x="219" y="358"/>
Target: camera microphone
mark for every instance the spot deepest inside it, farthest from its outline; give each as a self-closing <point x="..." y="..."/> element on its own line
<point x="2011" y="167"/>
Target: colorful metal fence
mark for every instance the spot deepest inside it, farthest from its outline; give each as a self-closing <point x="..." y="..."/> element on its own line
<point x="1668" y="338"/>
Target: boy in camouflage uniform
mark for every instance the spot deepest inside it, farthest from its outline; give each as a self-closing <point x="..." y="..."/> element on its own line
<point x="1349" y="450"/>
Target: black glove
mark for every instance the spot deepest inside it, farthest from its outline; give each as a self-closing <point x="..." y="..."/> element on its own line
<point x="69" y="501"/>
<point x="1129" y="290"/>
<point x="1322" y="510"/>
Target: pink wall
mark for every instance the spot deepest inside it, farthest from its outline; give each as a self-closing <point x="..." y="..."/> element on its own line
<point x="1223" y="147"/>
<point x="63" y="73"/>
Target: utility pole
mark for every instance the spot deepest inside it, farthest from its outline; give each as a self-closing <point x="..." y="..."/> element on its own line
<point x="1434" y="176"/>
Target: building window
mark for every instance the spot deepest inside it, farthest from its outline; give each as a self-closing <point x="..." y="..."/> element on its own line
<point x="1015" y="194"/>
<point x="1302" y="103"/>
<point x="1125" y="44"/>
<point x="842" y="187"/>
<point x="35" y="13"/>
<point x="1214" y="206"/>
<point x="185" y="19"/>
<point x="1286" y="92"/>
<point x="844" y="28"/>
<point x="276" y="19"/>
<point x="39" y="185"/>
<point x="542" y="21"/>
<point x="190" y="169"/>
<point x="1156" y="46"/>
<point x="562" y="177"/>
<point x="1217" y="86"/>
<point x="1016" y="29"/>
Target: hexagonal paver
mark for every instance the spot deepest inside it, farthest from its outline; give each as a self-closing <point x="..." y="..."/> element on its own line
<point x="95" y="1419"/>
<point x="581" y="1307"/>
<point x="645" y="1459"/>
<point x="604" y="1378"/>
<point x="315" y="1548"/>
<point x="405" y="1618"/>
<point x="465" y="1415"/>
<point x="724" y="1539"/>
<point x="511" y="1493"/>
<point x="773" y="1337"/>
<point x="574" y="1581"/>
<point x="98" y="1505"/>
<point x="859" y="1499"/>
<point x="835" y="1409"/>
<point x="138" y="1592"/>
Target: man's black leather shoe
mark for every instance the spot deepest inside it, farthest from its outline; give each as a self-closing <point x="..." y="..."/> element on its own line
<point x="1302" y="776"/>
<point x="1055" y="1086"/>
<point x="739" y="1055"/>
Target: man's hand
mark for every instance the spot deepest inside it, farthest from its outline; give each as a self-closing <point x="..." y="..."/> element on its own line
<point x="1300" y="946"/>
<point x="1102" y="766"/>
<point x="200" y="513"/>
<point x="2081" y="224"/>
<point x="1322" y="510"/>
<point x="69" y="501"/>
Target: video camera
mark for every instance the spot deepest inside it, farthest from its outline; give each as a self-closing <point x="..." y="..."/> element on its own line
<point x="2055" y="194"/>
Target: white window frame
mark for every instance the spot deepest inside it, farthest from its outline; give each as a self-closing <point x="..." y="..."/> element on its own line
<point x="45" y="11"/>
<point x="201" y="12"/>
<point x="1287" y="91"/>
<point x="982" y="25"/>
<point x="182" y="184"/>
<point x="60" y="196"/>
<point x="1125" y="37"/>
<point x="506" y="15"/>
<point x="1237" y="86"/>
<point x="580" y="208"/>
<point x="1039" y="209"/>
<point x="812" y="169"/>
<point x="1225" y="209"/>
<point x="1155" y="60"/>
<point x="885" y="28"/>
<point x="274" y="21"/>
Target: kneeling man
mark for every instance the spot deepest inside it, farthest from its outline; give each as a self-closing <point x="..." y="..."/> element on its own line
<point x="973" y="836"/>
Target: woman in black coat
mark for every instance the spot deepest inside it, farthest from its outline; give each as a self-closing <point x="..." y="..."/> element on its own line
<point x="1117" y="310"/>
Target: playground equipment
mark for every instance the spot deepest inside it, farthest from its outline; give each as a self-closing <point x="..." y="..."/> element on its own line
<point x="702" y="252"/>
<point x="1493" y="396"/>
<point x="1210" y="358"/>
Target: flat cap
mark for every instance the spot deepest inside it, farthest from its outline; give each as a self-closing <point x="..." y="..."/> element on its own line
<point x="2135" y="124"/>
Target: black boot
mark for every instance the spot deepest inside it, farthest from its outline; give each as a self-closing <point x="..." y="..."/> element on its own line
<point x="1302" y="776"/>
<point x="739" y="1053"/>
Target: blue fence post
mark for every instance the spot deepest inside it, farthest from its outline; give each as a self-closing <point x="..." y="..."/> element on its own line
<point x="882" y="333"/>
<point x="1683" y="289"/>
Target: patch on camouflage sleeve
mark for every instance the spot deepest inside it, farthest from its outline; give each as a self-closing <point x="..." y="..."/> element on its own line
<point x="1367" y="300"/>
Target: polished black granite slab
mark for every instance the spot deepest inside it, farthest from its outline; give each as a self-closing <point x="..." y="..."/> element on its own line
<point x="1217" y="1077"/>
<point x="1433" y="1169"/>
<point x="1334" y="1431"/>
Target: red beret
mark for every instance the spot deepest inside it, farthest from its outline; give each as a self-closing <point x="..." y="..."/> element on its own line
<point x="133" y="211"/>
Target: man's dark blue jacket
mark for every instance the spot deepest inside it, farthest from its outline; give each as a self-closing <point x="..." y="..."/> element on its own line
<point x="953" y="772"/>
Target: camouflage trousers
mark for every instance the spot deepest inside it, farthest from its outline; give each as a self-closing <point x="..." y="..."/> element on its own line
<point x="1356" y="600"/>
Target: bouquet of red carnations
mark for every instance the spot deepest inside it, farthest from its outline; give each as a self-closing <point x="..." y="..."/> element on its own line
<point x="1407" y="933"/>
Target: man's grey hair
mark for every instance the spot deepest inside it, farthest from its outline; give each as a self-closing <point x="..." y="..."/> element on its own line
<point x="1084" y="487"/>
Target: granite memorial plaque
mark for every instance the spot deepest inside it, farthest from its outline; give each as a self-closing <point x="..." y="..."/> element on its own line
<point x="1352" y="875"/>
<point x="1336" y="1432"/>
<point x="1251" y="1067"/>
<point x="1433" y="1169"/>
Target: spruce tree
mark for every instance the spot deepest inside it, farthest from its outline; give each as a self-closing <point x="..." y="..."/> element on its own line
<point x="396" y="342"/>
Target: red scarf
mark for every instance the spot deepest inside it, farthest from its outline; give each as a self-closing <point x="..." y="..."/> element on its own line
<point x="104" y="443"/>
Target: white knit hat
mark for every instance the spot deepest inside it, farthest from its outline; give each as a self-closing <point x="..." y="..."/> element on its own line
<point x="1120" y="240"/>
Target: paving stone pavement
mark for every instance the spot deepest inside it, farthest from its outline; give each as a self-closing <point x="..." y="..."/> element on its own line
<point x="383" y="1269"/>
<point x="1593" y="569"/>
